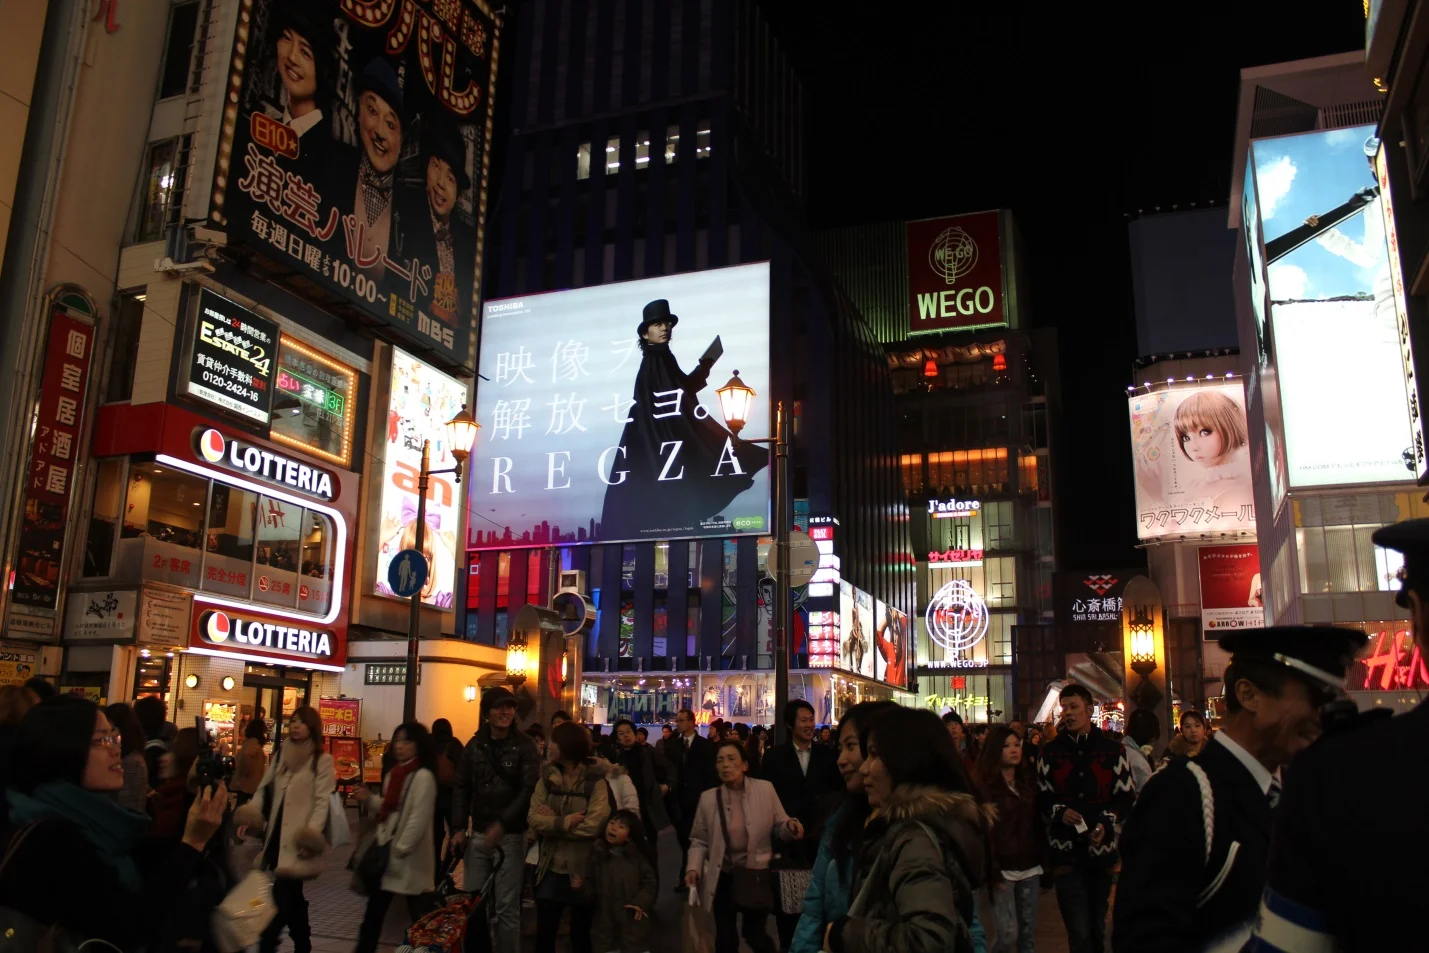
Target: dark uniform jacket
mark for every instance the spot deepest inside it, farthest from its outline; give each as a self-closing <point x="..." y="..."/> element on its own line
<point x="1164" y="869"/>
<point x="494" y="781"/>
<point x="1348" y="836"/>
<point x="694" y="767"/>
<point x="1087" y="773"/>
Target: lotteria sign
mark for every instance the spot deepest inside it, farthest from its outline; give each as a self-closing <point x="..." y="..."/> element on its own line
<point x="229" y="629"/>
<point x="251" y="460"/>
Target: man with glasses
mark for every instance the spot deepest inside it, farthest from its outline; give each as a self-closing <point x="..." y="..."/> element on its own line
<point x="693" y="760"/>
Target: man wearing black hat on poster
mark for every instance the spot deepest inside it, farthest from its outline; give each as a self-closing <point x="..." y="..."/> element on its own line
<point x="1195" y="848"/>
<point x="675" y="467"/>
<point x="380" y="126"/>
<point x="1351" y="826"/>
<point x="430" y="238"/>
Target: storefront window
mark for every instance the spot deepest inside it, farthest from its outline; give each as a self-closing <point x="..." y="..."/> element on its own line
<point x="231" y="514"/>
<point x="279" y="552"/>
<point x="104" y="518"/>
<point x="163" y="524"/>
<point x="1344" y="559"/>
<point x="315" y="588"/>
<point x="662" y="565"/>
<point x="1000" y="581"/>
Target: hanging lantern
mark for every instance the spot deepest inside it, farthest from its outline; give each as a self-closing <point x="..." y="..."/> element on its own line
<point x="930" y="368"/>
<point x="999" y="362"/>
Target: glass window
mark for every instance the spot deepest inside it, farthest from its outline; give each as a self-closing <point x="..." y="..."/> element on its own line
<point x="128" y="320"/>
<point x="612" y="155"/>
<point x="315" y="588"/>
<point x="183" y="23"/>
<point x="279" y="551"/>
<point x="158" y="190"/>
<point x="662" y="567"/>
<point x="731" y="563"/>
<point x="660" y="626"/>
<point x="163" y="525"/>
<point x="583" y="161"/>
<point x="702" y="143"/>
<point x="642" y="150"/>
<point x="997" y="525"/>
<point x="1000" y="581"/>
<point x="672" y="142"/>
<point x="104" y="517"/>
<point x="231" y="515"/>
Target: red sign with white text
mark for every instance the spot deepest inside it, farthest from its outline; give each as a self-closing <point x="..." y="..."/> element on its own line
<point x="1231" y="596"/>
<point x="955" y="279"/>
<point x="340" y="716"/>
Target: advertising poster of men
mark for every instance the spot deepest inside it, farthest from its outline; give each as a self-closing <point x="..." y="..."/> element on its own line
<point x="358" y="153"/>
<point x="601" y="422"/>
<point x="1192" y="461"/>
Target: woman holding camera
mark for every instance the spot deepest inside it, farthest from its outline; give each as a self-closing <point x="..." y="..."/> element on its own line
<point x="290" y="809"/>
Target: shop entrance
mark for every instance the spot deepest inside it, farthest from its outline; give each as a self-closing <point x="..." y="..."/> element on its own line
<point x="273" y="693"/>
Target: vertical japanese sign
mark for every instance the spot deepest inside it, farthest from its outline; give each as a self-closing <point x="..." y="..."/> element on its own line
<point x="955" y="279"/>
<point x="231" y="357"/>
<point x="340" y="716"/>
<point x="49" y="477"/>
<point x="357" y="154"/>
<point x="422" y="400"/>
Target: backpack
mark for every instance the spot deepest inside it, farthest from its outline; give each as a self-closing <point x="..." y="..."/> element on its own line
<point x="446" y="771"/>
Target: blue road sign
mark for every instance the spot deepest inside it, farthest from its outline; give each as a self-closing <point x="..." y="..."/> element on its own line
<point x="407" y="573"/>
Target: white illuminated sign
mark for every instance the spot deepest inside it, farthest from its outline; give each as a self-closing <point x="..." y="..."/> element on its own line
<point x="244" y="457"/>
<point x="957" y="617"/>
<point x="942" y="509"/>
<point x="218" y="627"/>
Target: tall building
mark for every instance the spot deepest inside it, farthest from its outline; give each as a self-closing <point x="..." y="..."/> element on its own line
<point x="976" y="395"/>
<point x="663" y="143"/>
<point x="241" y="285"/>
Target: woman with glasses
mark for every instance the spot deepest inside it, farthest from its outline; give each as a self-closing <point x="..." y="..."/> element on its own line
<point x="66" y="830"/>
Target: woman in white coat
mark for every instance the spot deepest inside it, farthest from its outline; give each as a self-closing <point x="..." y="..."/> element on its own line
<point x="404" y="819"/>
<point x="290" y="809"/>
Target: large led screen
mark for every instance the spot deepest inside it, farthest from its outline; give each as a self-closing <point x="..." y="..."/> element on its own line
<point x="599" y="413"/>
<point x="1336" y="345"/>
<point x="422" y="400"/>
<point x="1191" y="460"/>
<point x="891" y="646"/>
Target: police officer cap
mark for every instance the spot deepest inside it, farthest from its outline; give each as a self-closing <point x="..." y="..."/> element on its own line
<point x="1411" y="538"/>
<point x="1319" y="654"/>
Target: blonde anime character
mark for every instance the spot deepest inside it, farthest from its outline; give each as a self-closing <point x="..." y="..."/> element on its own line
<point x="1211" y="435"/>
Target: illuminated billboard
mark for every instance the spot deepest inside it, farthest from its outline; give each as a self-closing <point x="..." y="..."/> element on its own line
<point x="600" y="419"/>
<point x="1232" y="596"/>
<point x="422" y="400"/>
<point x="1191" y="460"/>
<point x="955" y="274"/>
<point x="354" y="153"/>
<point x="1335" y="331"/>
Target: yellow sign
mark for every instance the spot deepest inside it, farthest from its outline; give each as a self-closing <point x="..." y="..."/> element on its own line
<point x="16" y="668"/>
<point x="939" y="702"/>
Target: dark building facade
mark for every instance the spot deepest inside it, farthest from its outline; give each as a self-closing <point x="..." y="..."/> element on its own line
<point x="650" y="138"/>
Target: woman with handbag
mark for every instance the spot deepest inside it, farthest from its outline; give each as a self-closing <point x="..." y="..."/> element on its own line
<point x="731" y="844"/>
<point x="290" y="809"/>
<point x="404" y="827"/>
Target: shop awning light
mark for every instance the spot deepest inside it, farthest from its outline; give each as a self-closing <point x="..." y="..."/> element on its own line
<point x="268" y="660"/>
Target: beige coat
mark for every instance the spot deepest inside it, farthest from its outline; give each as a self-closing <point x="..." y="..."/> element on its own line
<point x="411" y="867"/>
<point x="764" y="817"/>
<point x="565" y="851"/>
<point x="301" y="793"/>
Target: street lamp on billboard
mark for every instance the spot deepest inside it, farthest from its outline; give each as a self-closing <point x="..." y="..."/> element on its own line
<point x="461" y="435"/>
<point x="735" y="400"/>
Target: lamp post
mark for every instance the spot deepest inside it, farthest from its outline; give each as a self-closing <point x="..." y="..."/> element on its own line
<point x="735" y="399"/>
<point x="461" y="434"/>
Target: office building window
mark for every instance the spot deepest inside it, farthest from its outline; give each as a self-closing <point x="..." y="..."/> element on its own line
<point x="997" y="523"/>
<point x="643" y="143"/>
<point x="583" y="161"/>
<point x="1000" y="581"/>
<point x="911" y="466"/>
<point x="612" y="155"/>
<point x="160" y="190"/>
<point x="178" y="50"/>
<point x="128" y="322"/>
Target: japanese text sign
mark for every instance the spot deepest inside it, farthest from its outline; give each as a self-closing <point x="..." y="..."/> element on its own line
<point x="340" y="716"/>
<point x="231" y="360"/>
<point x="1231" y="596"/>
<point x="315" y="402"/>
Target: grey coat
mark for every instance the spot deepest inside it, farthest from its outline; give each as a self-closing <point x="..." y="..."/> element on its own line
<point x="928" y="846"/>
<point x="620" y="876"/>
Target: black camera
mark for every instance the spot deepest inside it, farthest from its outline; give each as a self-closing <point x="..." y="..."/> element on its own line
<point x="210" y="768"/>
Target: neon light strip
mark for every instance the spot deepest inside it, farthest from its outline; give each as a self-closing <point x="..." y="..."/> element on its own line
<point x="349" y="413"/>
<point x="266" y="659"/>
<point x="339" y="553"/>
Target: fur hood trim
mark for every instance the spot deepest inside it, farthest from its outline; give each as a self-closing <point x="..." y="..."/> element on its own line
<point x="916" y="801"/>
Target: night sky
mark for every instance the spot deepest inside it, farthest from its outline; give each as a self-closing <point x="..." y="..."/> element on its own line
<point x="1073" y="118"/>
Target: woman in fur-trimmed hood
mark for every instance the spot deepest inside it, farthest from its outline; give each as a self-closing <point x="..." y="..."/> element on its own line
<point x="924" y="851"/>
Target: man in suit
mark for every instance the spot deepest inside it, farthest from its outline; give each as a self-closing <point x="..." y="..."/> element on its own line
<point x="802" y="773"/>
<point x="1184" y="887"/>
<point x="1328" y="882"/>
<point x="433" y="237"/>
<point x="693" y="760"/>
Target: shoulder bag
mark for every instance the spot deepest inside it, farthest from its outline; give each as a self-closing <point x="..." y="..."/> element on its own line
<point x="244" y="913"/>
<point x="751" y="890"/>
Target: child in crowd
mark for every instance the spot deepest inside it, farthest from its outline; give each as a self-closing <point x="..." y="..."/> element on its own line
<point x="622" y="880"/>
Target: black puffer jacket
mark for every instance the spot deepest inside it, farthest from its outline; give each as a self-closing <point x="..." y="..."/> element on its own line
<point x="925" y="848"/>
<point x="494" y="781"/>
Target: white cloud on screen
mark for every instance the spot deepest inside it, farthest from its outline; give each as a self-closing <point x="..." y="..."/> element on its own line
<point x="1272" y="184"/>
<point x="1288" y="282"/>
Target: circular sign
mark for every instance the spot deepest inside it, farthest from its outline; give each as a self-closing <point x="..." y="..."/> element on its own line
<point x="957" y="617"/>
<point x="210" y="444"/>
<point x="407" y="573"/>
<point x="952" y="254"/>
<point x="803" y="558"/>
<point x="576" y="612"/>
<point x="217" y="627"/>
<point x="262" y="583"/>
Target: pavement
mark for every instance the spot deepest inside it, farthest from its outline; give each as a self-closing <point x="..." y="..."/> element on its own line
<point x="335" y="912"/>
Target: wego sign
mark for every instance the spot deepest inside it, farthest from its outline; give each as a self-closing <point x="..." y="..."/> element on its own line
<point x="955" y="276"/>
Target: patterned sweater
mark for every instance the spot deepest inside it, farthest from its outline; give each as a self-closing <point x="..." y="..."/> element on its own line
<point x="1088" y="774"/>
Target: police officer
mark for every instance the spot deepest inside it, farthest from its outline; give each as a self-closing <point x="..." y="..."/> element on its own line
<point x="1350" y="830"/>
<point x="1195" y="848"/>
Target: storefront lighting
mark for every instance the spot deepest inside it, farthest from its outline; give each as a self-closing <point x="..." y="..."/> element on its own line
<point x="930" y="368"/>
<point x="227" y="683"/>
<point x="344" y="458"/>
<point x="266" y="659"/>
<point x="143" y="653"/>
<point x="999" y="362"/>
<point x="735" y="399"/>
<point x="191" y="680"/>
<point x="469" y="693"/>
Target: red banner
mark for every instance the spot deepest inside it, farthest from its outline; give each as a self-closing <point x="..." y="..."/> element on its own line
<point x="955" y="273"/>
<point x="54" y="452"/>
<point x="340" y="716"/>
<point x="1231" y="595"/>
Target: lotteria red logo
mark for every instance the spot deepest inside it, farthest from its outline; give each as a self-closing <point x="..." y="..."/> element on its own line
<point x="255" y="461"/>
<point x="219" y="627"/>
<point x="211" y="445"/>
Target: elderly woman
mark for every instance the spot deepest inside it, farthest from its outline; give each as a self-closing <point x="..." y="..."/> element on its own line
<point x="735" y="826"/>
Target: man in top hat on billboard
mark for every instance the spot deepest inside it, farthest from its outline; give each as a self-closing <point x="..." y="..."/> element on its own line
<point x="1195" y="848"/>
<point x="380" y="126"/>
<point x="1352" y="823"/>
<point x="430" y="236"/>
<point x="675" y="467"/>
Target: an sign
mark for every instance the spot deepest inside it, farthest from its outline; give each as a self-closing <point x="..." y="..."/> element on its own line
<point x="956" y="557"/>
<point x="407" y="573"/>
<point x="355" y="155"/>
<point x="1393" y="662"/>
<point x="943" y="509"/>
<point x="388" y="673"/>
<point x="422" y="400"/>
<point x="246" y="458"/>
<point x="163" y="616"/>
<point x="1401" y="314"/>
<point x="106" y="615"/>
<point x="314" y="402"/>
<point x="957" y="619"/>
<point x="1231" y="594"/>
<point x="16" y="668"/>
<point x="601" y="419"/>
<point x="955" y="279"/>
<point x="231" y="629"/>
<point x="1191" y="461"/>
<point x="50" y="476"/>
<point x="1086" y="597"/>
<point x="231" y="360"/>
<point x="347" y="759"/>
<point x="340" y="717"/>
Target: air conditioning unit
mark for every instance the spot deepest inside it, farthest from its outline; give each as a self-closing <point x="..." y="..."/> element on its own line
<point x="573" y="580"/>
